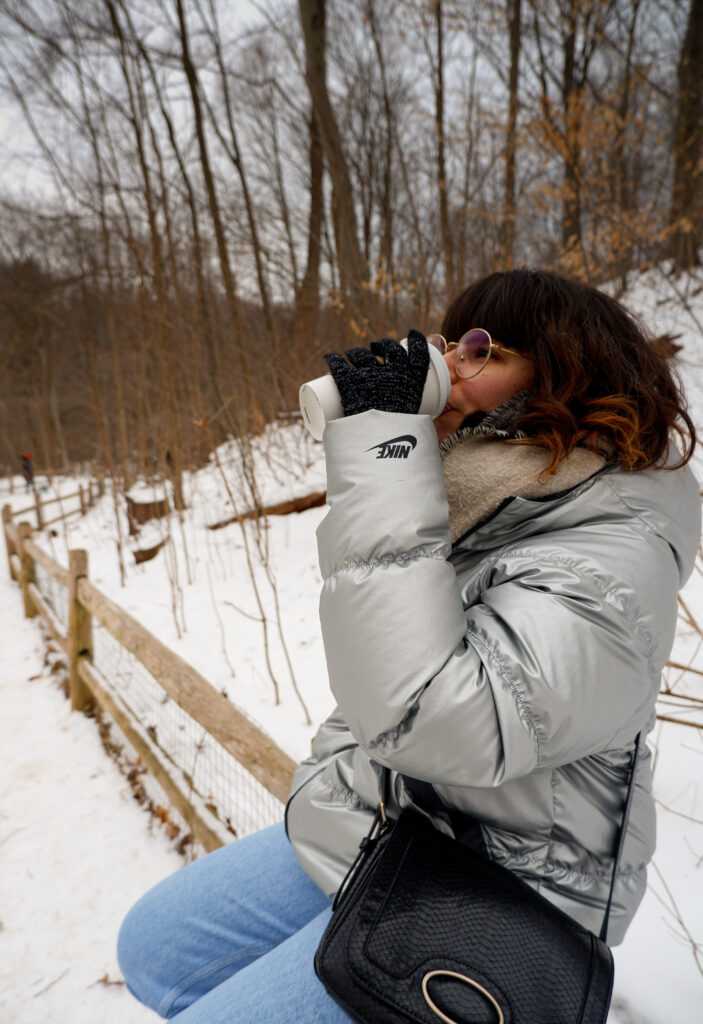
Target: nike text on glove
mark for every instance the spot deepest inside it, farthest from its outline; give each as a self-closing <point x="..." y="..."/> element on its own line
<point x="394" y="385"/>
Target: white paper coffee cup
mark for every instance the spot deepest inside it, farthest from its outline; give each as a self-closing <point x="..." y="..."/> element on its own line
<point x="320" y="402"/>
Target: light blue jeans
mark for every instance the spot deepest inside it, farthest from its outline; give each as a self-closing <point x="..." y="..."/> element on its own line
<point x="230" y="939"/>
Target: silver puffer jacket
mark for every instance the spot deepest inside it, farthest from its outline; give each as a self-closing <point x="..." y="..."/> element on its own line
<point x="500" y="637"/>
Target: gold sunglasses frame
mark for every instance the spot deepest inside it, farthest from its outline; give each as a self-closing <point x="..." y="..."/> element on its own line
<point x="492" y="345"/>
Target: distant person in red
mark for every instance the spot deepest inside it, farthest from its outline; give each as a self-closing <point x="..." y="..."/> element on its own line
<point x="28" y="469"/>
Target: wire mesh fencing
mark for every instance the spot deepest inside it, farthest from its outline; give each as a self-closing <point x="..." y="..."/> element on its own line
<point x="216" y="786"/>
<point x="201" y="767"/>
<point x="54" y="593"/>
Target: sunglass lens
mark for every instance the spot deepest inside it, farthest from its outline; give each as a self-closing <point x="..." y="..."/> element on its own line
<point x="472" y="352"/>
<point x="438" y="341"/>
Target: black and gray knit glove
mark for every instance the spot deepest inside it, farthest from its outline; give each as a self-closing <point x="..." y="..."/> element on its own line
<point x="394" y="385"/>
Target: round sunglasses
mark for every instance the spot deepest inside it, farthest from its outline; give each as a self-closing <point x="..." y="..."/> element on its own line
<point x="473" y="351"/>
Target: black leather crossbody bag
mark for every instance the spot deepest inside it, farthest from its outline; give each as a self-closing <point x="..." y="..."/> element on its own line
<point x="426" y="929"/>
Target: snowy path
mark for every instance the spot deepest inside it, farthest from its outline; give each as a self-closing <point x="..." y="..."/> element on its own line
<point x="75" y="850"/>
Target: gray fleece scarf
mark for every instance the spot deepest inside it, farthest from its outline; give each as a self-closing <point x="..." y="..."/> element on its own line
<point x="481" y="470"/>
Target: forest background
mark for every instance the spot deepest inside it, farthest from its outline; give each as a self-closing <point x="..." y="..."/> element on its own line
<point x="201" y="197"/>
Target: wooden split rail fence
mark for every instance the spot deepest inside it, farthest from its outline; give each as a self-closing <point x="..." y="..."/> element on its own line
<point x="253" y="749"/>
<point x="87" y="497"/>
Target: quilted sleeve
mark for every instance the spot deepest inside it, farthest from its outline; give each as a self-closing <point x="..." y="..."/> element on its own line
<point x="547" y="667"/>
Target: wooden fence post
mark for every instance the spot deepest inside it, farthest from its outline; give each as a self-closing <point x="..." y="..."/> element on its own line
<point x="25" y="532"/>
<point x="80" y="633"/>
<point x="6" y="520"/>
<point x="37" y="505"/>
<point x="81" y="495"/>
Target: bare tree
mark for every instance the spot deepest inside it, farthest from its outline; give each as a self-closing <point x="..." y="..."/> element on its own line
<point x="509" y="212"/>
<point x="360" y="316"/>
<point x="438" y="74"/>
<point x="686" y="212"/>
<point x="307" y="297"/>
<point x="233" y="149"/>
<point x="233" y="307"/>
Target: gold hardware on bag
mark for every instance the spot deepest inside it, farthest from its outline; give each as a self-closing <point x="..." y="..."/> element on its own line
<point x="461" y="977"/>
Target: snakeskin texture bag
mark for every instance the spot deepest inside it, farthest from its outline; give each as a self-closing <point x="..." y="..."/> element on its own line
<point x="425" y="929"/>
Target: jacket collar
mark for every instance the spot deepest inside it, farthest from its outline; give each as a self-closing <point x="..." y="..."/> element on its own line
<point x="482" y="469"/>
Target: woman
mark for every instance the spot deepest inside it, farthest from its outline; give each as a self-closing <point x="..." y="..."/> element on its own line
<point x="496" y="616"/>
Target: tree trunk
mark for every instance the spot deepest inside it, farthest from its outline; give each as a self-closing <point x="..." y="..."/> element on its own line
<point x="241" y="374"/>
<point x="385" y="261"/>
<point x="623" y="196"/>
<point x="511" y="145"/>
<point x="307" y="299"/>
<point x="447" y="242"/>
<point x="351" y="264"/>
<point x="571" y="204"/>
<point x="233" y="151"/>
<point x="685" y="218"/>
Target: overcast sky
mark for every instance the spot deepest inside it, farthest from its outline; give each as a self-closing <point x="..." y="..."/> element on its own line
<point x="23" y="173"/>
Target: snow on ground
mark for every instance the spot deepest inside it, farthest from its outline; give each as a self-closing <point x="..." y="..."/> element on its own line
<point x="75" y="848"/>
<point x="197" y="596"/>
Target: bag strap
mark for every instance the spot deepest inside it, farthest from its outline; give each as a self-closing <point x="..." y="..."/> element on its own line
<point x="430" y="797"/>
<point x="379" y="825"/>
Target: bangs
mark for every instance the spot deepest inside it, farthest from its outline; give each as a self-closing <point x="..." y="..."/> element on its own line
<point x="504" y="308"/>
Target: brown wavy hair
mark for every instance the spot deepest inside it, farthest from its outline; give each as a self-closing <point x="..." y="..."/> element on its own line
<point x="599" y="382"/>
